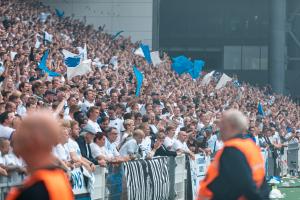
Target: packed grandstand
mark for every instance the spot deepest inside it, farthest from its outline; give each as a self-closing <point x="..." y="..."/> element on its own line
<point x="101" y="108"/>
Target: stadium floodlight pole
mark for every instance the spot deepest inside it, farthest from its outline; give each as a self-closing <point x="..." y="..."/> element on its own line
<point x="277" y="46"/>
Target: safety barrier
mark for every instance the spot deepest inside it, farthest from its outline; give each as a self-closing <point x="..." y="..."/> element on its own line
<point x="103" y="187"/>
<point x="109" y="183"/>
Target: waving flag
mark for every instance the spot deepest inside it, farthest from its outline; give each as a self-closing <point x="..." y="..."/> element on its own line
<point x="146" y="52"/>
<point x="48" y="37"/>
<point x="83" y="68"/>
<point x="207" y="78"/>
<point x="195" y="72"/>
<point x="182" y="64"/>
<point x="37" y="43"/>
<point x="155" y="58"/>
<point x="260" y="109"/>
<point x="139" y="52"/>
<point x="223" y="80"/>
<point x="76" y="66"/>
<point x="72" y="61"/>
<point x="139" y="79"/>
<point x="59" y="13"/>
<point x="117" y="34"/>
<point x="43" y="65"/>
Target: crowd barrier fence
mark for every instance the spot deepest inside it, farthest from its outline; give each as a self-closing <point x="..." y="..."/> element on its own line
<point x="104" y="188"/>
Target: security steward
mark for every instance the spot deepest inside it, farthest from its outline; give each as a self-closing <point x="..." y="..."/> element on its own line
<point x="33" y="141"/>
<point x="237" y="171"/>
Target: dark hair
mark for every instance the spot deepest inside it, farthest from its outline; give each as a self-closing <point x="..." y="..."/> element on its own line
<point x="98" y="136"/>
<point x="3" y="117"/>
<point x="91" y="110"/>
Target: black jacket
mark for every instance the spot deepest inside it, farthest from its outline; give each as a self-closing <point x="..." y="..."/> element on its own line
<point x="85" y="150"/>
<point x="235" y="178"/>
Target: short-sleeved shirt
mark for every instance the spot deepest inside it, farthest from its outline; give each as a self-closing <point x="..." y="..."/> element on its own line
<point x="73" y="146"/>
<point x="178" y="145"/>
<point x="6" y="132"/>
<point x="129" y="148"/>
<point x="168" y="142"/>
<point x="97" y="150"/>
<point x="111" y="149"/>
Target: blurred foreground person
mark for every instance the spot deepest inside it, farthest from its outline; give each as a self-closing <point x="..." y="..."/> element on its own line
<point x="237" y="171"/>
<point x="33" y="141"/>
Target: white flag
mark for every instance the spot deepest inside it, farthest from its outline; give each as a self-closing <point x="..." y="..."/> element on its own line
<point x="155" y="58"/>
<point x="48" y="37"/>
<point x="37" y="43"/>
<point x="206" y="79"/>
<point x="114" y="61"/>
<point x="139" y="52"/>
<point x="223" y="80"/>
<point x="68" y="53"/>
<point x="13" y="54"/>
<point x="83" y="52"/>
<point x="83" y="68"/>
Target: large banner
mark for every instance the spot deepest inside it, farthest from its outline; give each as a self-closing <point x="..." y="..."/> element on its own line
<point x="147" y="179"/>
<point x="198" y="169"/>
<point x="78" y="184"/>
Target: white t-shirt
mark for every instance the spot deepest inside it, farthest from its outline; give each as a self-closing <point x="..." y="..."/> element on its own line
<point x="117" y="123"/>
<point x="86" y="105"/>
<point x="12" y="159"/>
<point x="129" y="148"/>
<point x="97" y="150"/>
<point x="146" y="146"/>
<point x="61" y="152"/>
<point x="95" y="125"/>
<point x="5" y="131"/>
<point x="168" y="142"/>
<point x="178" y="145"/>
<point x="111" y="149"/>
<point x="73" y="146"/>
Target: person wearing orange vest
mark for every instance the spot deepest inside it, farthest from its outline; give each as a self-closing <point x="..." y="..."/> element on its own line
<point x="33" y="141"/>
<point x="237" y="171"/>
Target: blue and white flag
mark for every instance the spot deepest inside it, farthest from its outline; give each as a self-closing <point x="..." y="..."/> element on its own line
<point x="260" y="109"/>
<point x="236" y="83"/>
<point x="76" y="66"/>
<point x="59" y="13"/>
<point x="83" y="52"/>
<point x="139" y="79"/>
<point x="144" y="51"/>
<point x="43" y="65"/>
<point x="48" y="37"/>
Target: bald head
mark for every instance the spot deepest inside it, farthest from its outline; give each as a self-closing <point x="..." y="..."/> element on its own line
<point x="233" y="122"/>
<point x="36" y="135"/>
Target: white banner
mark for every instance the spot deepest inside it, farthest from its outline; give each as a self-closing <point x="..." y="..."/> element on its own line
<point x="223" y="80"/>
<point x="198" y="169"/>
<point x="78" y="185"/>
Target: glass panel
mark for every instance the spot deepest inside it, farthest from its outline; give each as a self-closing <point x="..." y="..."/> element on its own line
<point x="232" y="57"/>
<point x="251" y="57"/>
<point x="264" y="58"/>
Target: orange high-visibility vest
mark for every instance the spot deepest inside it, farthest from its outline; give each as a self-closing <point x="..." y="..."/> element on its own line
<point x="56" y="183"/>
<point x="254" y="160"/>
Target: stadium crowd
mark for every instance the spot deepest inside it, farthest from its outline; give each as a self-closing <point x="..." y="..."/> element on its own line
<point x="102" y="121"/>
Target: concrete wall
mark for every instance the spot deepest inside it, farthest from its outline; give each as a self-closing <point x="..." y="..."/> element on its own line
<point x="132" y="16"/>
